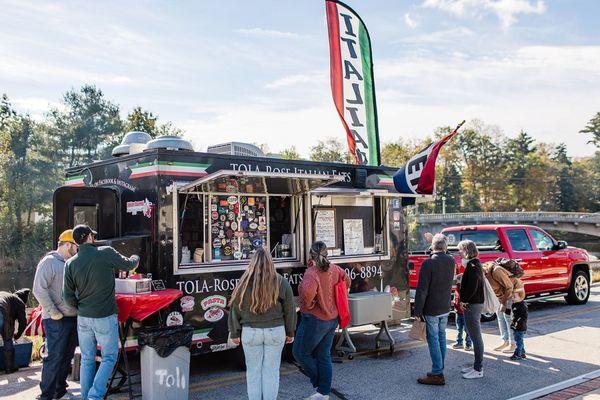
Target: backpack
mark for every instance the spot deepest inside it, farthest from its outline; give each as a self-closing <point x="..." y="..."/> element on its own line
<point x="491" y="304"/>
<point x="511" y="266"/>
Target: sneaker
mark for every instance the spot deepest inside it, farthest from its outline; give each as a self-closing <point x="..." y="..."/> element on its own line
<point x="502" y="346"/>
<point x="437" y="380"/>
<point x="473" y="374"/>
<point x="523" y="355"/>
<point x="469" y="347"/>
<point x="457" y="346"/>
<point x="466" y="369"/>
<point x="510" y="349"/>
<point x="318" y="396"/>
<point x="515" y="357"/>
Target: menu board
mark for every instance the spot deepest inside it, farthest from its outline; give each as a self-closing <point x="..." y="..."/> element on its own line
<point x="354" y="242"/>
<point x="325" y="226"/>
<point x="238" y="226"/>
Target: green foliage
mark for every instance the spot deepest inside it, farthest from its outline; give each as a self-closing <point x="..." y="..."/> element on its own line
<point x="290" y="154"/>
<point x="593" y="127"/>
<point x="330" y="150"/>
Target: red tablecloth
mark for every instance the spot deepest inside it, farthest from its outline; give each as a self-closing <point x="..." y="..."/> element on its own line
<point x="141" y="306"/>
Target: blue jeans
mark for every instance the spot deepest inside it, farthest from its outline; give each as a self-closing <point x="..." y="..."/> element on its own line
<point x="460" y="327"/>
<point x="262" y="348"/>
<point x="519" y="341"/>
<point x="436" y="341"/>
<point x="504" y="325"/>
<point x="312" y="349"/>
<point x="61" y="340"/>
<point x="93" y="332"/>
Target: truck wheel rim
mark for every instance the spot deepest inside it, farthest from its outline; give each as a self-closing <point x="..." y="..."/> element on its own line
<point x="581" y="287"/>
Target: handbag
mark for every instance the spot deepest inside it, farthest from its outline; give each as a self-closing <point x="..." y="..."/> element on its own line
<point x="418" y="330"/>
<point x="341" y="301"/>
<point x="491" y="304"/>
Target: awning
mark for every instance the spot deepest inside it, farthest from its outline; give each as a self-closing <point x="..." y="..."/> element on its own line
<point x="229" y="181"/>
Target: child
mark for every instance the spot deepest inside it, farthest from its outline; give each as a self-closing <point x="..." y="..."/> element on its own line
<point x="519" y="320"/>
<point x="460" y="322"/>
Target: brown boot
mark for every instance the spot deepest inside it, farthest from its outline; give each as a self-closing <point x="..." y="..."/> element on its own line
<point x="432" y="380"/>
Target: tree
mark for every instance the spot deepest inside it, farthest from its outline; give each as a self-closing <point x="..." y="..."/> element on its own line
<point x="330" y="150"/>
<point x="290" y="153"/>
<point x="398" y="153"/>
<point x="146" y="121"/>
<point x="593" y="127"/>
<point x="564" y="196"/>
<point x="85" y="126"/>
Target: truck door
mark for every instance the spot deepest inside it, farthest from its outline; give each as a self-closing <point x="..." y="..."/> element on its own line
<point x="553" y="263"/>
<point x="527" y="256"/>
<point x="94" y="206"/>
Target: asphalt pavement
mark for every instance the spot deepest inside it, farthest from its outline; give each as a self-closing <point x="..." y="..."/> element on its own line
<point x="562" y="342"/>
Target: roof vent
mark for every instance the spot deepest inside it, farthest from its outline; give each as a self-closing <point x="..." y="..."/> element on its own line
<point x="130" y="140"/>
<point x="170" y="142"/>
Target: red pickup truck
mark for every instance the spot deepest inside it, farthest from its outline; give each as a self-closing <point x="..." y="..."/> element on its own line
<point x="551" y="267"/>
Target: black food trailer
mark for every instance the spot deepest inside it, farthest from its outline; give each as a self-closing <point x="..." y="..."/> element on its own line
<point x="196" y="218"/>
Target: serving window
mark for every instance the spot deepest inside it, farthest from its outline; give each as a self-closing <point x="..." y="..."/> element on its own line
<point x="350" y="225"/>
<point x="224" y="218"/>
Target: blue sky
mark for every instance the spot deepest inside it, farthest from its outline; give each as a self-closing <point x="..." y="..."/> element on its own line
<point x="258" y="71"/>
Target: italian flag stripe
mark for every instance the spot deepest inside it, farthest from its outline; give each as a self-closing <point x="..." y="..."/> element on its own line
<point x="367" y="69"/>
<point x="386" y="180"/>
<point x="75" y="181"/>
<point x="168" y="168"/>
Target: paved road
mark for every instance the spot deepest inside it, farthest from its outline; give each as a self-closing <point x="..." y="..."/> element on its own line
<point x="562" y="343"/>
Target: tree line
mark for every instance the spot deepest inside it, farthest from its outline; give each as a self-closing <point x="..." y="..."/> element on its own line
<point x="34" y="154"/>
<point x="479" y="170"/>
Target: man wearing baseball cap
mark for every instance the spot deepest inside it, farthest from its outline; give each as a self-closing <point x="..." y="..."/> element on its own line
<point x="89" y="285"/>
<point x="59" y="318"/>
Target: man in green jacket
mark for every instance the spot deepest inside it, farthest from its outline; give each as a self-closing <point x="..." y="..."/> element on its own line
<point x="89" y="285"/>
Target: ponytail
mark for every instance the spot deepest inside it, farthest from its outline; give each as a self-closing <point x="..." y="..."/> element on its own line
<point x="318" y="254"/>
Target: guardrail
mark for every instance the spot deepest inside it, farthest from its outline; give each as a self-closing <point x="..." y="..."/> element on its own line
<point x="572" y="217"/>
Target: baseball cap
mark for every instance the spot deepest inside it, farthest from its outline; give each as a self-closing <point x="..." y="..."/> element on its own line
<point x="81" y="232"/>
<point x="66" y="236"/>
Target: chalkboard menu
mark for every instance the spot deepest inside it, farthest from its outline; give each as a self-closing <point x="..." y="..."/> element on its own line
<point x="325" y="226"/>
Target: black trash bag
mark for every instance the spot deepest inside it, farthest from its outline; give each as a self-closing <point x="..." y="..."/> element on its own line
<point x="166" y="340"/>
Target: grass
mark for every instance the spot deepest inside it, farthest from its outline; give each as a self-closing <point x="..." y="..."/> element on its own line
<point x="38" y="342"/>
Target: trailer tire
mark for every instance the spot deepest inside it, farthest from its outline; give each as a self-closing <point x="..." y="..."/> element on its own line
<point x="579" y="289"/>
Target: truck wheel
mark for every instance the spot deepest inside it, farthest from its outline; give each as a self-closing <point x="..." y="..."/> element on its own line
<point x="579" y="290"/>
<point x="487" y="317"/>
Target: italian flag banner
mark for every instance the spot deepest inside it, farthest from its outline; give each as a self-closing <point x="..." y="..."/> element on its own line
<point x="168" y="168"/>
<point x="352" y="86"/>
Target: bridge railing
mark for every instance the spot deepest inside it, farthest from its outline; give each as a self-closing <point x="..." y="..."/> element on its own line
<point x="572" y="217"/>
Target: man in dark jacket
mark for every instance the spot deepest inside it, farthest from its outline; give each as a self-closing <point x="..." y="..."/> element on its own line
<point x="432" y="304"/>
<point x="12" y="308"/>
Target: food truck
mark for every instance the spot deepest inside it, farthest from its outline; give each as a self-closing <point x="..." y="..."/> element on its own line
<point x="196" y="218"/>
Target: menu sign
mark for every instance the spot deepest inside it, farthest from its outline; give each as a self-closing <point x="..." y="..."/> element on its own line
<point x="325" y="226"/>
<point x="354" y="242"/>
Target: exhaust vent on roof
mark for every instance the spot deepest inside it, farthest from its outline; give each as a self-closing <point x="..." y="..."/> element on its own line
<point x="130" y="141"/>
<point x="170" y="143"/>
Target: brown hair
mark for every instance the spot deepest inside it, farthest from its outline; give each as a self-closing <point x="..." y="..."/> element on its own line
<point x="470" y="249"/>
<point x="318" y="253"/>
<point x="263" y="278"/>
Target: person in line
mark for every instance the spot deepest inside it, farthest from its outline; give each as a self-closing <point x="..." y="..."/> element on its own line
<point x="433" y="300"/>
<point x="471" y="297"/>
<point x="12" y="309"/>
<point x="314" y="338"/>
<point x="89" y="286"/>
<point x="519" y="321"/>
<point x="499" y="279"/>
<point x="59" y="318"/>
<point x="263" y="315"/>
<point x="460" y="322"/>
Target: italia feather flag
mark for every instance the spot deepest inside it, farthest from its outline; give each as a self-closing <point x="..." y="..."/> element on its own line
<point x="352" y="86"/>
<point x="417" y="176"/>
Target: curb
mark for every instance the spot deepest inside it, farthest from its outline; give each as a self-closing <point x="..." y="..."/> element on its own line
<point x="559" y="386"/>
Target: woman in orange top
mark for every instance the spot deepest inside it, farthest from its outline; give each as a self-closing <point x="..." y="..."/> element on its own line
<point x="314" y="337"/>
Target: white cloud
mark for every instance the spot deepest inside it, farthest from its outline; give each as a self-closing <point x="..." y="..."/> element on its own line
<point x="410" y="22"/>
<point x="268" y="33"/>
<point x="298" y="79"/>
<point x="437" y="37"/>
<point x="34" y="106"/>
<point x="505" y="10"/>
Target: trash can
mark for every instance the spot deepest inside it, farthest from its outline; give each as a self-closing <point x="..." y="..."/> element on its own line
<point x="165" y="361"/>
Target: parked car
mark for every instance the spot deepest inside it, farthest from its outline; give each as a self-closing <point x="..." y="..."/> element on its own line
<point x="552" y="268"/>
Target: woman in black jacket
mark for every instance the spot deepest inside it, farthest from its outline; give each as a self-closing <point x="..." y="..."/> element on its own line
<point x="471" y="298"/>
